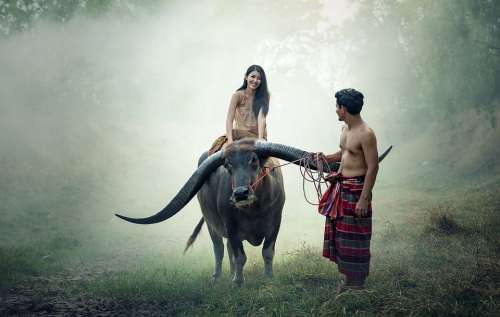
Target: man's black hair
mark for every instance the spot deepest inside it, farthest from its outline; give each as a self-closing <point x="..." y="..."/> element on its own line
<point x="351" y="99"/>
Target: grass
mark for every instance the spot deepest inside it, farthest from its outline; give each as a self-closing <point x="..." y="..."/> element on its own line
<point x="439" y="257"/>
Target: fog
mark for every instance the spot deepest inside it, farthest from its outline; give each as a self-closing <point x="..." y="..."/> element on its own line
<point x="109" y="113"/>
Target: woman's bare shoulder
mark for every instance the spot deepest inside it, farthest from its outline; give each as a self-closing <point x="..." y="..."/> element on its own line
<point x="238" y="95"/>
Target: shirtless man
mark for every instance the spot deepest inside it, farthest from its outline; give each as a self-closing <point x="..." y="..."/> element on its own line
<point x="347" y="202"/>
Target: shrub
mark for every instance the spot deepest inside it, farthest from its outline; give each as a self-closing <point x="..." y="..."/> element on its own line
<point x="442" y="220"/>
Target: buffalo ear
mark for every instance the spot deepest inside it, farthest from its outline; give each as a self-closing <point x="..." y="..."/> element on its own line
<point x="227" y="166"/>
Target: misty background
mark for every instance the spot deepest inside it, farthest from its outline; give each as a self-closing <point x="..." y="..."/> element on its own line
<point x="106" y="106"/>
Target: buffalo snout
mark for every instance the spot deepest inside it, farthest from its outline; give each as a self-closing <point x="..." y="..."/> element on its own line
<point x="241" y="193"/>
<point x="243" y="197"/>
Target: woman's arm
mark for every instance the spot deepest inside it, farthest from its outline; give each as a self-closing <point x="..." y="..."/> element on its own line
<point x="230" y="117"/>
<point x="261" y="123"/>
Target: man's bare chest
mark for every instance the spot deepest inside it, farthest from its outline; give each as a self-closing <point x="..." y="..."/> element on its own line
<point x="350" y="142"/>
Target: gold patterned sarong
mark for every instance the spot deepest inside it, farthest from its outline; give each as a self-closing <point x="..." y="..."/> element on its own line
<point x="237" y="135"/>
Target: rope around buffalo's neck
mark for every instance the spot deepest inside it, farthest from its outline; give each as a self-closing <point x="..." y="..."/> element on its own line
<point x="317" y="177"/>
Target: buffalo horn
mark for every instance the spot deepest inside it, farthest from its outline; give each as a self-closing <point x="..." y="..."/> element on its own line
<point x="186" y="193"/>
<point x="294" y="155"/>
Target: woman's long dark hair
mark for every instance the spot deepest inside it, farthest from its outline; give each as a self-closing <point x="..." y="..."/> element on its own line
<point x="261" y="98"/>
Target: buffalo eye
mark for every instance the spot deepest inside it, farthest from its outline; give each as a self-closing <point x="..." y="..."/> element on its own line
<point x="228" y="166"/>
<point x="254" y="162"/>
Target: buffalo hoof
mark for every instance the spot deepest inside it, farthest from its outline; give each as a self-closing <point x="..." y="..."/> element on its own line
<point x="238" y="282"/>
<point x="214" y="281"/>
<point x="269" y="274"/>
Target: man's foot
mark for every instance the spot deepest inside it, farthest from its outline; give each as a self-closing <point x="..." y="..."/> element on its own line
<point x="347" y="286"/>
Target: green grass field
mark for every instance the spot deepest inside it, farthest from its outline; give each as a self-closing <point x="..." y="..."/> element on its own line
<point x="436" y="254"/>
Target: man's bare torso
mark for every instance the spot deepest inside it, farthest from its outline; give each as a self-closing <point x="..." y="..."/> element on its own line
<point x="353" y="159"/>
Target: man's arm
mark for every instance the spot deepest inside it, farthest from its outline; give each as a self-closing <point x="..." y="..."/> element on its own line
<point x="335" y="157"/>
<point x="369" y="146"/>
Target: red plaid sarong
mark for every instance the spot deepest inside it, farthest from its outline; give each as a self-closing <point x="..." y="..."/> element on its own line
<point x="347" y="236"/>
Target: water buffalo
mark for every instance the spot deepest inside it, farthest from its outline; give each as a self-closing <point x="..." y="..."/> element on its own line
<point x="239" y="201"/>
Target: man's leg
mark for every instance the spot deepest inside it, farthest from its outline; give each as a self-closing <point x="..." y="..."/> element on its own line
<point x="351" y="283"/>
<point x="352" y="245"/>
<point x="355" y="282"/>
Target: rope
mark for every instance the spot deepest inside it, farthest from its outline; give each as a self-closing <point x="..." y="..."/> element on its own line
<point x="316" y="177"/>
<point x="308" y="174"/>
<point x="267" y="170"/>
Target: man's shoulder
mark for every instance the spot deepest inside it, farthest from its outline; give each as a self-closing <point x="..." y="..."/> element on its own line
<point x="367" y="134"/>
<point x="366" y="129"/>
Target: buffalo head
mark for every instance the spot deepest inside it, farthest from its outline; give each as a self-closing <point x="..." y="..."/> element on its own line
<point x="245" y="167"/>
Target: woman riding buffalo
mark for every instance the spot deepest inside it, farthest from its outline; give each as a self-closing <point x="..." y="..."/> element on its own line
<point x="248" y="108"/>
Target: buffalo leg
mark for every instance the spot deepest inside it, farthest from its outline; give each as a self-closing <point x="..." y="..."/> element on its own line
<point x="268" y="252"/>
<point x="268" y="255"/>
<point x="218" y="252"/>
<point x="239" y="258"/>
<point x="230" y="254"/>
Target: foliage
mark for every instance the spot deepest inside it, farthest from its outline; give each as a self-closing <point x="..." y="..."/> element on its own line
<point x="438" y="58"/>
<point x="20" y="15"/>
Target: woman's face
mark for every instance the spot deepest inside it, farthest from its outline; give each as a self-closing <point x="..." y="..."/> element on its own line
<point x="253" y="80"/>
